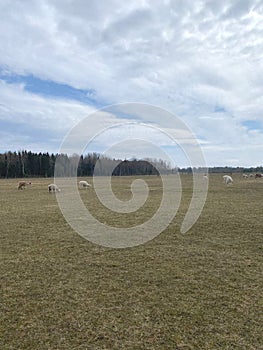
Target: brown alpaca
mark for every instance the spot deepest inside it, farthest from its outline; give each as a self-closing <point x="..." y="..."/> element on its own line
<point x="22" y="185"/>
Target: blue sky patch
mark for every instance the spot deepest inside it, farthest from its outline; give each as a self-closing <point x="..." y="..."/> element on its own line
<point x="48" y="88"/>
<point x="252" y="124"/>
<point x="219" y="109"/>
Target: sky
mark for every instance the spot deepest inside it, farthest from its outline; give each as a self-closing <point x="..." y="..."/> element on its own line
<point x="202" y="61"/>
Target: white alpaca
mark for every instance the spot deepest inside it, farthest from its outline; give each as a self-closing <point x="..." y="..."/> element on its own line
<point x="84" y="184"/>
<point x="53" y="188"/>
<point x="227" y="179"/>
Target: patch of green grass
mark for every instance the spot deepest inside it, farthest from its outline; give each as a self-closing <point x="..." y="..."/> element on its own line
<point x="201" y="290"/>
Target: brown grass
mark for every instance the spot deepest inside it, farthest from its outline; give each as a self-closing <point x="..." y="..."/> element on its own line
<point x="201" y="290"/>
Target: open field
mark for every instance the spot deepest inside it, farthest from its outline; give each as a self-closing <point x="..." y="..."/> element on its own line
<point x="201" y="290"/>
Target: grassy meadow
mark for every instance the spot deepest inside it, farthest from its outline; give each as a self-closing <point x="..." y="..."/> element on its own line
<point x="201" y="290"/>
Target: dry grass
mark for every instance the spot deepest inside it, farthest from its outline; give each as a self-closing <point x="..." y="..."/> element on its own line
<point x="201" y="290"/>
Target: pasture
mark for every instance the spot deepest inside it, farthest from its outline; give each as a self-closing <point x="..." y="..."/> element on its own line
<point x="201" y="290"/>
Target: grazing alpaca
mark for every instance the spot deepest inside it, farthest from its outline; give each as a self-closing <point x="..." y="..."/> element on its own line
<point x="23" y="184"/>
<point x="227" y="179"/>
<point x="84" y="184"/>
<point x="53" y="188"/>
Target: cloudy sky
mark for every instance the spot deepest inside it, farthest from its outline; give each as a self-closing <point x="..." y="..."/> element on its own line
<point x="200" y="60"/>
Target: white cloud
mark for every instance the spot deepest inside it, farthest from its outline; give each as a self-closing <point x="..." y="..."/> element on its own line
<point x="29" y="121"/>
<point x="19" y="106"/>
<point x="185" y="56"/>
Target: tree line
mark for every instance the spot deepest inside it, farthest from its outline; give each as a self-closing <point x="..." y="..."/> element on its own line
<point x="29" y="164"/>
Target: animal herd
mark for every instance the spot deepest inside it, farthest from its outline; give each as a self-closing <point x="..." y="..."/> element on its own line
<point x="52" y="188"/>
<point x="227" y="179"/>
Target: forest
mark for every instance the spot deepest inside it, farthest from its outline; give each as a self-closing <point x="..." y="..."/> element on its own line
<point x="29" y="164"/>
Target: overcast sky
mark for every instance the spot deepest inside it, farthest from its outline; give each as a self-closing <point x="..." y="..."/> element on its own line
<point x="200" y="60"/>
